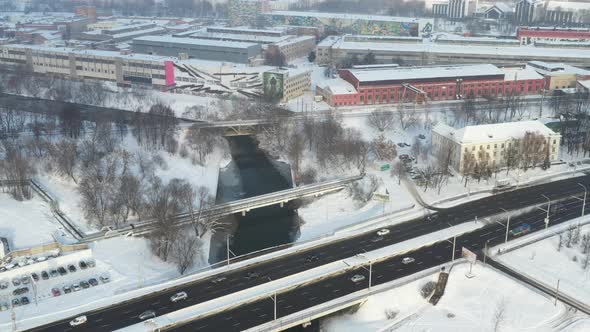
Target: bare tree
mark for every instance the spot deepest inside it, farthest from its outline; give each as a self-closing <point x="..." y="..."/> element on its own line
<point x="295" y="149"/>
<point x="65" y="157"/>
<point x="499" y="315"/>
<point x="184" y="250"/>
<point x="384" y="149"/>
<point x="381" y="119"/>
<point x="71" y="121"/>
<point x="16" y="167"/>
<point x="468" y="166"/>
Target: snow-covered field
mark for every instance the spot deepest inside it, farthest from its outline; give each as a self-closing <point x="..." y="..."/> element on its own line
<point x="28" y="223"/>
<point x="468" y="305"/>
<point x="542" y="261"/>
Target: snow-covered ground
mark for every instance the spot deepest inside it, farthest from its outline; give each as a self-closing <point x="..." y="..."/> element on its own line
<point x="127" y="261"/>
<point x="542" y="261"/>
<point x="27" y="223"/>
<point x="467" y="305"/>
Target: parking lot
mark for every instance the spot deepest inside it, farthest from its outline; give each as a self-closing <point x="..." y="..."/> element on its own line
<point x="29" y="287"/>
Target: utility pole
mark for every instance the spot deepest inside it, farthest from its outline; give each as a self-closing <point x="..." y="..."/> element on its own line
<point x="370" y="273"/>
<point x="556" y="293"/>
<point x="583" y="202"/>
<point x="274" y="300"/>
<point x="454" y="243"/>
<point x="548" y="209"/>
<point x="507" y="225"/>
<point x="485" y="252"/>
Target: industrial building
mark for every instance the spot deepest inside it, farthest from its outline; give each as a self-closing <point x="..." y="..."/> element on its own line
<point x="154" y="71"/>
<point x="534" y="35"/>
<point x="489" y="143"/>
<point x="231" y="51"/>
<point x="335" y="49"/>
<point x="285" y="84"/>
<point x="294" y="48"/>
<point x="373" y="86"/>
<point x="354" y="23"/>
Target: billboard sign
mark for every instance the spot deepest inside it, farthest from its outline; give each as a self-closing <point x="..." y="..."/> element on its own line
<point x="273" y="85"/>
<point x="469" y="255"/>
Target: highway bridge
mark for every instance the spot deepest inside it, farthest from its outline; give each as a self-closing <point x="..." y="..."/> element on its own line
<point x="203" y="289"/>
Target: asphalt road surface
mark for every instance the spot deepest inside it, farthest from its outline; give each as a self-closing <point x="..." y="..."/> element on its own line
<point x="124" y="314"/>
<point x="303" y="297"/>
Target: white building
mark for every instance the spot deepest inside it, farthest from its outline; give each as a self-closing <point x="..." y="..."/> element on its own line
<point x="489" y="143"/>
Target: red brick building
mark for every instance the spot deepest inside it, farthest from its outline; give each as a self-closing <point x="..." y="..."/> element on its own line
<point x="530" y="35"/>
<point x="419" y="84"/>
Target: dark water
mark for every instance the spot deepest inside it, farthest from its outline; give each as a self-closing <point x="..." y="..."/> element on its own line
<point x="253" y="173"/>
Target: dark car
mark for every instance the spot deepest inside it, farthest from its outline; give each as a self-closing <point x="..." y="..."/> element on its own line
<point x="71" y="268"/>
<point x="401" y="145"/>
<point x="53" y="273"/>
<point x="311" y="259"/>
<point x="91" y="263"/>
<point x="83" y="265"/>
<point x="252" y="275"/>
<point x="24" y="300"/>
<point x="84" y="284"/>
<point x="67" y="289"/>
<point x="35" y="276"/>
<point x="93" y="282"/>
<point x="15" y="303"/>
<point x="421" y="136"/>
<point x="20" y="291"/>
<point x="44" y="275"/>
<point x="62" y="270"/>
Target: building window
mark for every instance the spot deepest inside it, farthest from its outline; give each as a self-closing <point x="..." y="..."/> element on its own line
<point x="488" y="147"/>
<point x="473" y="148"/>
<point x="502" y="145"/>
<point x="495" y="146"/>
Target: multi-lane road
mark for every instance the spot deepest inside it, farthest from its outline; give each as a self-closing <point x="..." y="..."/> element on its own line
<point x="326" y="289"/>
<point x="125" y="314"/>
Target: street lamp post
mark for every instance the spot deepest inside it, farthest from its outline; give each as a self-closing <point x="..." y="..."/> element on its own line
<point x="227" y="236"/>
<point x="548" y="209"/>
<point x="274" y="300"/>
<point x="370" y="269"/>
<point x="507" y="225"/>
<point x="583" y="202"/>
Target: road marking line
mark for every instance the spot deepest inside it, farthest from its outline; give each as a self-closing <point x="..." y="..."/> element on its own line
<point x="335" y="291"/>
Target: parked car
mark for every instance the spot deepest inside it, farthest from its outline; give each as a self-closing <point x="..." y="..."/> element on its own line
<point x="403" y="156"/>
<point x="84" y="284"/>
<point x="41" y="259"/>
<point x="4" y="306"/>
<point x="76" y="287"/>
<point x="408" y="260"/>
<point x="71" y="268"/>
<point x="24" y="300"/>
<point x="91" y="263"/>
<point x="53" y="273"/>
<point x="3" y="284"/>
<point x="44" y="275"/>
<point x="24" y="279"/>
<point x="93" y="282"/>
<point x="147" y="314"/>
<point x="67" y="289"/>
<point x="20" y="291"/>
<point x="35" y="276"/>
<point x="421" y="136"/>
<point x="15" y="303"/>
<point x="105" y="278"/>
<point x="83" y="265"/>
<point x="357" y="278"/>
<point x="218" y="279"/>
<point x="15" y="281"/>
<point x="78" y="321"/>
<point x="408" y="145"/>
<point x="252" y="275"/>
<point x="55" y="292"/>
<point x="62" y="270"/>
<point x="383" y="232"/>
<point x="179" y="297"/>
<point x="401" y="145"/>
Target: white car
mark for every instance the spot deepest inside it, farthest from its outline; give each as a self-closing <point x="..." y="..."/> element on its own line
<point x="357" y="278"/>
<point x="78" y="321"/>
<point x="147" y="314"/>
<point x="408" y="260"/>
<point x="178" y="297"/>
<point x="383" y="232"/>
<point x="76" y="287"/>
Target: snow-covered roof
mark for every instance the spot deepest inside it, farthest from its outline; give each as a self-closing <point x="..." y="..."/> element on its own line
<point x="503" y="7"/>
<point x="490" y="51"/>
<point x="567" y="5"/>
<point x="337" y="86"/>
<point x="585" y="84"/>
<point x="512" y="74"/>
<point x="548" y="68"/>
<point x="343" y="16"/>
<point x="428" y="72"/>
<point x="195" y="41"/>
<point x="294" y="40"/>
<point x="238" y="37"/>
<point x="492" y="132"/>
<point x="98" y="53"/>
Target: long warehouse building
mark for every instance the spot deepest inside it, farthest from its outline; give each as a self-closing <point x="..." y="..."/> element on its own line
<point x="230" y="51"/>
